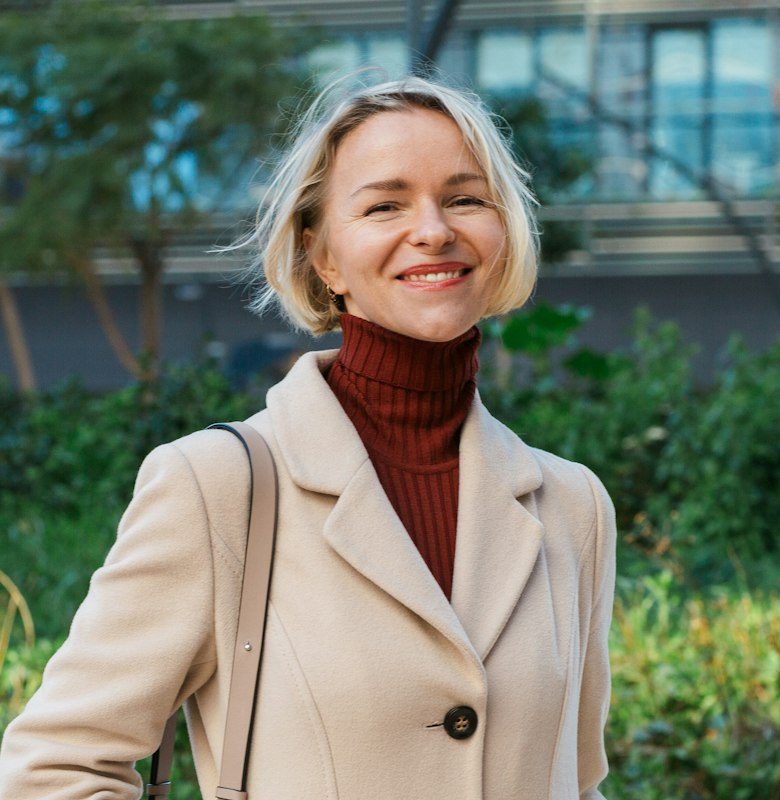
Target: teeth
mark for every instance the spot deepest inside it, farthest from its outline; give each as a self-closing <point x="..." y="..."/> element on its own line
<point x="434" y="277"/>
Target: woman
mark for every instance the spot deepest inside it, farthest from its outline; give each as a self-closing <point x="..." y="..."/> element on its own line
<point x="442" y="591"/>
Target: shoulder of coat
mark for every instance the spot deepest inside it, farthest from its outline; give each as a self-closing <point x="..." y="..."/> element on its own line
<point x="566" y="479"/>
<point x="574" y="487"/>
<point x="558" y="468"/>
<point x="220" y="466"/>
<point x="218" y="448"/>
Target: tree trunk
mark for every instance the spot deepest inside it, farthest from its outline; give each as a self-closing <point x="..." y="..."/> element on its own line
<point x="17" y="343"/>
<point x="85" y="267"/>
<point x="149" y="255"/>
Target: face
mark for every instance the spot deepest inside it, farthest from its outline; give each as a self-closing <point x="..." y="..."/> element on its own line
<point x="411" y="238"/>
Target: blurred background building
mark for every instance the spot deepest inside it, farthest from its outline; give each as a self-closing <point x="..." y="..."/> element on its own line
<point x="675" y="102"/>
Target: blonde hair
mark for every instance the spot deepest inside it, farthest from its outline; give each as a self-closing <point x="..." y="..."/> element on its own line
<point x="293" y="200"/>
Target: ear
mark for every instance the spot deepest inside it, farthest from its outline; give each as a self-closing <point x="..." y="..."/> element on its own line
<point x="318" y="256"/>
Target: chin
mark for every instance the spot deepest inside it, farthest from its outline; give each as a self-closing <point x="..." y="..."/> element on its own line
<point x="437" y="330"/>
<point x="440" y="325"/>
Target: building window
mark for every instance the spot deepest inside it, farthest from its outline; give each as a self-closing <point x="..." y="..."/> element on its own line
<point x="334" y="58"/>
<point x="550" y="64"/>
<point x="621" y="71"/>
<point x="710" y="106"/>
<point x="564" y="70"/>
<point x="742" y="113"/>
<point x="504" y="61"/>
<point x="678" y="94"/>
<point x="388" y="51"/>
<point x="700" y="92"/>
<point x="351" y="52"/>
<point x="564" y="83"/>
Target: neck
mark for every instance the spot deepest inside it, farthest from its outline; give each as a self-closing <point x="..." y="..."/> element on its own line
<point x="383" y="355"/>
<point x="407" y="398"/>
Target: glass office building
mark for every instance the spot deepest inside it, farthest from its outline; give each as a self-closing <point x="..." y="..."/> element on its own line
<point x="676" y="104"/>
<point x="706" y="91"/>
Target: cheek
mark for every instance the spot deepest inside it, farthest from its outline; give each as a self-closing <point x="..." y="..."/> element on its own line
<point x="492" y="237"/>
<point x="358" y="256"/>
<point x="362" y="244"/>
<point x="493" y="245"/>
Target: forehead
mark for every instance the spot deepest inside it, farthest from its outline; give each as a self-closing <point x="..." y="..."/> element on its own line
<point x="415" y="143"/>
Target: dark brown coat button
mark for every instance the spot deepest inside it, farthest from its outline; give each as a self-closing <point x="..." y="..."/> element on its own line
<point x="460" y="722"/>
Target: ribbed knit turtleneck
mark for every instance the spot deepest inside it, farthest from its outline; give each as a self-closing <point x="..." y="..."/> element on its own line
<point x="408" y="399"/>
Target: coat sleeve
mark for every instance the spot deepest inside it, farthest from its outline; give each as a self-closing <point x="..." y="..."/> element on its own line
<point x="139" y="644"/>
<point x="595" y="686"/>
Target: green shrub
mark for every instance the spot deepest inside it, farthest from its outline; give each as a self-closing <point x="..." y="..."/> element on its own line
<point x="693" y="471"/>
<point x="720" y="470"/>
<point x="52" y="556"/>
<point x="695" y="709"/>
<point x="20" y="676"/>
<point x="75" y="445"/>
<point x="68" y="461"/>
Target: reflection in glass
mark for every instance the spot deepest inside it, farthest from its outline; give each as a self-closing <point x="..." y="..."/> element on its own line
<point x="388" y="52"/>
<point x="742" y="66"/>
<point x="333" y="58"/>
<point x="564" y="73"/>
<point x="504" y="60"/>
<point x="563" y="54"/>
<point x="678" y="82"/>
<point x="742" y="145"/>
<point x="621" y="89"/>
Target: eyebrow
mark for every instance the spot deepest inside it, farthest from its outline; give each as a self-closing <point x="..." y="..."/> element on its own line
<point x="397" y="185"/>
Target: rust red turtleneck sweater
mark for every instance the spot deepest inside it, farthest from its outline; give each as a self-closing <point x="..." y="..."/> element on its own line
<point x="408" y="399"/>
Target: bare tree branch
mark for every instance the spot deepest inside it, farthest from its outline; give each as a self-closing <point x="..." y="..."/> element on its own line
<point x="20" y="353"/>
<point x="96" y="293"/>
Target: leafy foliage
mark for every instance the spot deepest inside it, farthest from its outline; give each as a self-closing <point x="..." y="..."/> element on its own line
<point x="21" y="676"/>
<point x="693" y="471"/>
<point x="695" y="713"/>
<point x="85" y="450"/>
<point x="124" y="123"/>
<point x="76" y="444"/>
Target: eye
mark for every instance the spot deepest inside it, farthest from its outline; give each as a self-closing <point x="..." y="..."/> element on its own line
<point x="468" y="201"/>
<point x="380" y="207"/>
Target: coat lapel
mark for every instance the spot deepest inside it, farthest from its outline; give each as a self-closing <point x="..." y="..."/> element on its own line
<point x="366" y="531"/>
<point x="498" y="540"/>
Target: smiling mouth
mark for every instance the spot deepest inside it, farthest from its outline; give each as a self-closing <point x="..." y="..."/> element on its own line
<point x="434" y="277"/>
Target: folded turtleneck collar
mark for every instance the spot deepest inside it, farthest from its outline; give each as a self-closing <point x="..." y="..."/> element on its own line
<point x="406" y="397"/>
<point x="379" y="354"/>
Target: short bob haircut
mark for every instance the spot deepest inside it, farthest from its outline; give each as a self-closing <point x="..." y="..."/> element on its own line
<point x="293" y="199"/>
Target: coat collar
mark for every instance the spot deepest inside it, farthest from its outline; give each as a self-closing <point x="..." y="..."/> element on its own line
<point x="498" y="539"/>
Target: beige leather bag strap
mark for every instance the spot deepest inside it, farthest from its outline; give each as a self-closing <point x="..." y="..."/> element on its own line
<point x="258" y="562"/>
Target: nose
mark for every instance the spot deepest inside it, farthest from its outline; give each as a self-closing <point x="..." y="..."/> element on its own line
<point x="430" y="227"/>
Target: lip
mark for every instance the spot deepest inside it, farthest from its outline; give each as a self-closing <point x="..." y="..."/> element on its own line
<point x="435" y="286"/>
<point x="423" y="269"/>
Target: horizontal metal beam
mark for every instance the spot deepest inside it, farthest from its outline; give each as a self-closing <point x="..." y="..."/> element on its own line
<point x="375" y="15"/>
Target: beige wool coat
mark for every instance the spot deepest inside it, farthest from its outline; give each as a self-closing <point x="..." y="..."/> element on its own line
<point x="364" y="656"/>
